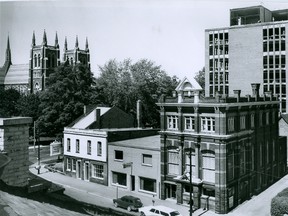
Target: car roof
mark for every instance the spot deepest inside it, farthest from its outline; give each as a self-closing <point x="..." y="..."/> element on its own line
<point x="164" y="208"/>
<point x="130" y="197"/>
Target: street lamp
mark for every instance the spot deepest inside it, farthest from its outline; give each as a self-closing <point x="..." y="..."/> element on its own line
<point x="190" y="180"/>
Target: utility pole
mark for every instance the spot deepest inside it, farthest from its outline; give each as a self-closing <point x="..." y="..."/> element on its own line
<point x="190" y="155"/>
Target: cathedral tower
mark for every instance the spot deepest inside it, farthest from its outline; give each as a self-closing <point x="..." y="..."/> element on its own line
<point x="4" y="69"/>
<point x="43" y="58"/>
<point x="76" y="55"/>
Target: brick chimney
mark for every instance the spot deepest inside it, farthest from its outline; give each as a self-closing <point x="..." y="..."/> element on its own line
<point x="255" y="90"/>
<point x="237" y="94"/>
<point x="98" y="118"/>
<point x="139" y="114"/>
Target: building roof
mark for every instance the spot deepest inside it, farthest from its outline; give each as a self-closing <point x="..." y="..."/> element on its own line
<point x="188" y="85"/>
<point x="17" y="74"/>
<point x="89" y="117"/>
<point x="285" y="117"/>
<point x="150" y="142"/>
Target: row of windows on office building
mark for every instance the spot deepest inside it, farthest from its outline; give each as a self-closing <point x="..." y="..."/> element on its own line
<point x="207" y="124"/>
<point x="88" y="145"/>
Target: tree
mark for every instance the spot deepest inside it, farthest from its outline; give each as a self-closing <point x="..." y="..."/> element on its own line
<point x="69" y="88"/>
<point x="123" y="83"/>
<point x="28" y="105"/>
<point x="200" y="78"/>
<point x="8" y="101"/>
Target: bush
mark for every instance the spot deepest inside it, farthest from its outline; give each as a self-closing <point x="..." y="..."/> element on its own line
<point x="279" y="204"/>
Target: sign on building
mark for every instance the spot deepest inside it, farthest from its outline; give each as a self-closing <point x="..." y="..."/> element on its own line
<point x="55" y="148"/>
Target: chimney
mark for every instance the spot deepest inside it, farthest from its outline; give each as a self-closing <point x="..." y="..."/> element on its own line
<point x="180" y="96"/>
<point x="196" y="97"/>
<point x="139" y="114"/>
<point x="85" y="109"/>
<point x="237" y="94"/>
<point x="217" y="96"/>
<point x="268" y="94"/>
<point x="98" y="118"/>
<point x="255" y="90"/>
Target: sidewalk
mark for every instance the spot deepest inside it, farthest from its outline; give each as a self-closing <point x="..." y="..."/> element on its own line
<point x="102" y="195"/>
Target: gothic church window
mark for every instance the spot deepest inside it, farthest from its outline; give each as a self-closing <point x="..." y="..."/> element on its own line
<point x="39" y="60"/>
<point x="35" y="60"/>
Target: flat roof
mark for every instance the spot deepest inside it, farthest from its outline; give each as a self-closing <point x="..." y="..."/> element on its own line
<point x="149" y="142"/>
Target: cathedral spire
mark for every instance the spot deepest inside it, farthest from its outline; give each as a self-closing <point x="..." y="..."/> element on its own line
<point x="33" y="39"/>
<point x="76" y="44"/>
<point x="86" y="47"/>
<point x="65" y="44"/>
<point x="44" y="38"/>
<point x="8" y="51"/>
<point x="56" y="40"/>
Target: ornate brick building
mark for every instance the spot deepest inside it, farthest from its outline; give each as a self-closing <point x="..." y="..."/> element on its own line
<point x="222" y="149"/>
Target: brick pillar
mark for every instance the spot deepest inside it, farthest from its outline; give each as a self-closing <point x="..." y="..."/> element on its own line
<point x="179" y="193"/>
<point x="15" y="141"/>
<point x="196" y="196"/>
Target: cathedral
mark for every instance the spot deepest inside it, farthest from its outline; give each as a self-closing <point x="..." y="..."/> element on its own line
<point x="31" y="77"/>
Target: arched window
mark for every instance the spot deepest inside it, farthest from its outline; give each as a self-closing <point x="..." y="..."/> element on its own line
<point x="39" y="60"/>
<point x="35" y="60"/>
<point x="37" y="86"/>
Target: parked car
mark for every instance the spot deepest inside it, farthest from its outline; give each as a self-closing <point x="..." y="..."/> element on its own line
<point x="128" y="202"/>
<point x="158" y="210"/>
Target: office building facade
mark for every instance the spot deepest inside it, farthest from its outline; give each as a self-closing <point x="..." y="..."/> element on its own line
<point x="253" y="49"/>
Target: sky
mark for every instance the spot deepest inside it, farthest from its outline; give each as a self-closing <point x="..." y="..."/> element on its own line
<point x="168" y="32"/>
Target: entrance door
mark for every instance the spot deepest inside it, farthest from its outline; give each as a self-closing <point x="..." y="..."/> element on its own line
<point x="170" y="191"/>
<point x="86" y="171"/>
<point x="132" y="183"/>
<point x="78" y="169"/>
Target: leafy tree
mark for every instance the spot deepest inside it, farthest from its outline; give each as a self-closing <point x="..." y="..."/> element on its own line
<point x="69" y="88"/>
<point x="200" y="78"/>
<point x="123" y="83"/>
<point x="28" y="105"/>
<point x="8" y="101"/>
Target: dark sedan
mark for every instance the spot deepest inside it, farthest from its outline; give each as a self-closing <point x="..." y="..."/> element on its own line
<point x="128" y="202"/>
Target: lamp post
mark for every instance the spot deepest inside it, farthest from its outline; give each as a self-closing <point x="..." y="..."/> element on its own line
<point x="38" y="158"/>
<point x="190" y="156"/>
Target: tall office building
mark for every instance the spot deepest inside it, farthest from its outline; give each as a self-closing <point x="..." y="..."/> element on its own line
<point x="253" y="49"/>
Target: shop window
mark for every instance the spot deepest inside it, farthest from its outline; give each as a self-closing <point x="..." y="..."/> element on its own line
<point x="119" y="178"/>
<point x="68" y="164"/>
<point x="97" y="171"/>
<point x="74" y="165"/>
<point x="147" y="184"/>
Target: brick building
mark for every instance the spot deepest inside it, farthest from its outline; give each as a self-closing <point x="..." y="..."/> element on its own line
<point x="14" y="142"/>
<point x="231" y="144"/>
<point x="253" y="49"/>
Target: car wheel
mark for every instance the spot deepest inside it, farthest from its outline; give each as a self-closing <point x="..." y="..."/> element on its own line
<point x="142" y="214"/>
<point x="116" y="204"/>
<point x="129" y="208"/>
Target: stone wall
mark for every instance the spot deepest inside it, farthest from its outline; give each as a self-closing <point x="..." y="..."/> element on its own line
<point x="15" y="143"/>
